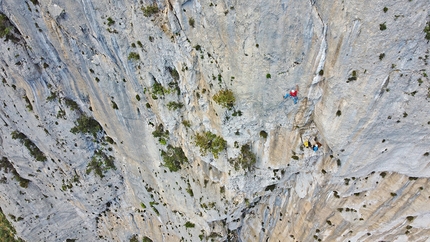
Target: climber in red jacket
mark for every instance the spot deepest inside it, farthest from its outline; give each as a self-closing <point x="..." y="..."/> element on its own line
<point x="293" y="94"/>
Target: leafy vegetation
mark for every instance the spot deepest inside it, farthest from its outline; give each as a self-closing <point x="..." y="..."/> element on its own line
<point x="157" y="90"/>
<point x="8" y="167"/>
<point x="134" y="238"/>
<point x="87" y="125"/>
<point x="188" y="224"/>
<point x="174" y="86"/>
<point x="174" y="105"/>
<point x="61" y="114"/>
<point x="6" y="29"/>
<point x="161" y="134"/>
<point x="71" y="104"/>
<point x="173" y="158"/>
<point x="225" y="98"/>
<point x="7" y="231"/>
<point x="191" y="21"/>
<point x="146" y="239"/>
<point x="148" y="11"/>
<point x="427" y="31"/>
<point x="382" y="27"/>
<point x="100" y="163"/>
<point x="209" y="142"/>
<point x="110" y="21"/>
<point x="32" y="148"/>
<point x="186" y="123"/>
<point x="246" y="158"/>
<point x="52" y="97"/>
<point x="28" y="106"/>
<point x="133" y="56"/>
<point x="236" y="113"/>
<point x="154" y="208"/>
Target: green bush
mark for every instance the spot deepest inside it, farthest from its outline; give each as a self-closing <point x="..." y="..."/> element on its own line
<point x="28" y="106"/>
<point x="382" y="27"/>
<point x="174" y="105"/>
<point x="225" y="98"/>
<point x="148" y="11"/>
<point x="133" y="56"/>
<point x="188" y="224"/>
<point x="209" y="142"/>
<point x="174" y="86"/>
<point x="134" y="238"/>
<point x="157" y="90"/>
<point x="246" y="158"/>
<point x="52" y="97"/>
<point x="7" y="29"/>
<point x="100" y="163"/>
<point x="191" y="21"/>
<point x="110" y="21"/>
<point x="236" y="113"/>
<point x="86" y="125"/>
<point x="154" y="208"/>
<point x="7" y="231"/>
<point x="71" y="104"/>
<point x="32" y="148"/>
<point x="160" y="133"/>
<point x="146" y="239"/>
<point x="427" y="31"/>
<point x="268" y="76"/>
<point x="8" y="167"/>
<point x="186" y="123"/>
<point x="61" y="114"/>
<point x="173" y="158"/>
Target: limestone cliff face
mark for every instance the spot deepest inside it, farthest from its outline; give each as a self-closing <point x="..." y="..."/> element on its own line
<point x="98" y="97"/>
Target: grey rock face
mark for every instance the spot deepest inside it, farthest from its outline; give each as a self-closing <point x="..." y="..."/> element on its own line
<point x="101" y="101"/>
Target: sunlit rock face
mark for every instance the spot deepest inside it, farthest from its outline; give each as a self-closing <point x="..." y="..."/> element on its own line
<point x="165" y="120"/>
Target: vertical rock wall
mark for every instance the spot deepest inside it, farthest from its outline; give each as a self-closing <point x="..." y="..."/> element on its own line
<point x="86" y="84"/>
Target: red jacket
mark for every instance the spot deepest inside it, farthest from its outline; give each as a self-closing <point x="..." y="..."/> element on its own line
<point x="293" y="93"/>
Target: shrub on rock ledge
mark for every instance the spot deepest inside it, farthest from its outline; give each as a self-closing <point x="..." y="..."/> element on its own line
<point x="225" y="98"/>
<point x="173" y="158"/>
<point x="213" y="143"/>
